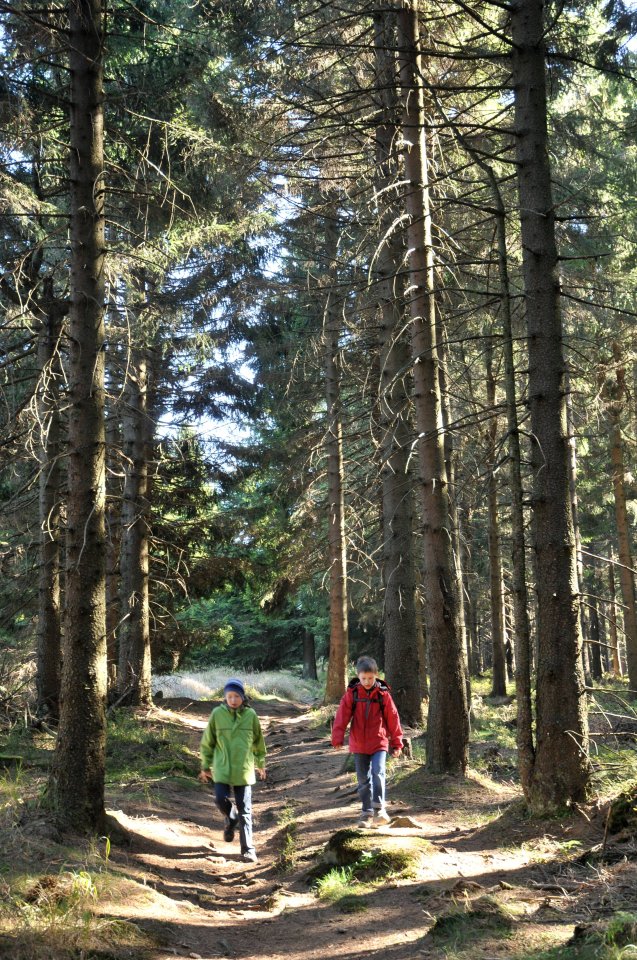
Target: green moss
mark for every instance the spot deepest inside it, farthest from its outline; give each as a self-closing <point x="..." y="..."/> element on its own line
<point x="373" y="858"/>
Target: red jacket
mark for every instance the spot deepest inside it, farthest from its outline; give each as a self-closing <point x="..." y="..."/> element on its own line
<point x="372" y="728"/>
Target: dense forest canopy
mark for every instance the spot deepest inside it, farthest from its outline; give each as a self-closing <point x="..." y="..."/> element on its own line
<point x="317" y="340"/>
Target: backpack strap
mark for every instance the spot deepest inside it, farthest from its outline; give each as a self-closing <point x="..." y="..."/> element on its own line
<point x="380" y="685"/>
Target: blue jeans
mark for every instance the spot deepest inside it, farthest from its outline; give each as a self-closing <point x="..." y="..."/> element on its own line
<point x="243" y="801"/>
<point x="370" y="773"/>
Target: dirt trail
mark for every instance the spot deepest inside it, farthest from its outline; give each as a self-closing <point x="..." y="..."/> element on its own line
<point x="206" y="902"/>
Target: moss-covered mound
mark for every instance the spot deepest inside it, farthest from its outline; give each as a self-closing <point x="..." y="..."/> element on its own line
<point x="373" y="857"/>
<point x="482" y="917"/>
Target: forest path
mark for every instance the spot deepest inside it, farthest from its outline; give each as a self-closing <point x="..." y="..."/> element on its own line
<point x="205" y="902"/>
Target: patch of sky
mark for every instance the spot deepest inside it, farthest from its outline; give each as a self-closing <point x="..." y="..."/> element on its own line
<point x="631" y="41"/>
<point x="208" y="430"/>
<point x="211" y="430"/>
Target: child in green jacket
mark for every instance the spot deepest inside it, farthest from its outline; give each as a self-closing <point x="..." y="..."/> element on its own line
<point x="232" y="748"/>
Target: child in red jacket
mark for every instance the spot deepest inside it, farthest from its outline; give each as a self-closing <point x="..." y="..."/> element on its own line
<point x="375" y="729"/>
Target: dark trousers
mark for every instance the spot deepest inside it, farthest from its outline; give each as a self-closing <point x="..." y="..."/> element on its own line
<point x="243" y="803"/>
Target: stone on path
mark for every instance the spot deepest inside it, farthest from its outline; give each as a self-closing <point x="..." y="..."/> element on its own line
<point x="405" y="823"/>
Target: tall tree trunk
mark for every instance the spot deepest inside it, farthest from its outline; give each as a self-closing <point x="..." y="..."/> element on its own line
<point x="508" y="655"/>
<point x="78" y="770"/>
<point x="475" y="653"/>
<point x="49" y="662"/>
<point x="572" y="482"/>
<point x="626" y="575"/>
<point x="448" y="721"/>
<point x="113" y="540"/>
<point x="519" y="593"/>
<point x="521" y="630"/>
<point x="339" y="643"/>
<point x="561" y="769"/>
<point x="134" y="673"/>
<point x="450" y="471"/>
<point x="596" y="650"/>
<point x="402" y="660"/>
<point x="499" y="683"/>
<point x="612" y="618"/>
<point x="309" y="656"/>
<point x="421" y="641"/>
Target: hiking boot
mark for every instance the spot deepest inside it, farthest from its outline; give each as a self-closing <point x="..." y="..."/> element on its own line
<point x="250" y="856"/>
<point x="229" y="830"/>
<point x="365" y="820"/>
<point x="382" y="815"/>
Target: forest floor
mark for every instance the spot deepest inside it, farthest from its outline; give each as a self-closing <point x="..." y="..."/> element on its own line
<point x="462" y="872"/>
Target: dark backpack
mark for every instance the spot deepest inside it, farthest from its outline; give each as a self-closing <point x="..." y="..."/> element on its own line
<point x="380" y="700"/>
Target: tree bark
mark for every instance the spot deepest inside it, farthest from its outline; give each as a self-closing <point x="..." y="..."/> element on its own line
<point x="49" y="662"/>
<point x="510" y="663"/>
<point x="612" y="618"/>
<point x="134" y="673"/>
<point x="572" y="482"/>
<point x="499" y="683"/>
<point x="77" y="778"/>
<point x="561" y="769"/>
<point x="309" y="656"/>
<point x="421" y="641"/>
<point x="402" y="660"/>
<point x="450" y="471"/>
<point x="113" y="539"/>
<point x="519" y="593"/>
<point x="471" y="613"/>
<point x="448" y="722"/>
<point x="626" y="576"/>
<point x="337" y="666"/>
<point x="596" y="652"/>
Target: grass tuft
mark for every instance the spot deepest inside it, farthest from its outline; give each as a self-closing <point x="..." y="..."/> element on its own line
<point x="336" y="887"/>
<point x="54" y="917"/>
<point x="288" y="854"/>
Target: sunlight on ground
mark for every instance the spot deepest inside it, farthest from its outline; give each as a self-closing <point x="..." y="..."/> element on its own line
<point x="208" y="684"/>
<point x="134" y="900"/>
<point x="193" y="723"/>
<point x="162" y="831"/>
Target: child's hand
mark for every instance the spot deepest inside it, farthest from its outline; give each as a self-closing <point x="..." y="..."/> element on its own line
<point x="396" y="752"/>
<point x="338" y="746"/>
<point x="205" y="776"/>
<point x="261" y="773"/>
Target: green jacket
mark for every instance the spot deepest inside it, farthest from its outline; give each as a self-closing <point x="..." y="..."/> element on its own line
<point x="232" y="745"/>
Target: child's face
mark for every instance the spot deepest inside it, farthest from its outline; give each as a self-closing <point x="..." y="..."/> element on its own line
<point x="367" y="679"/>
<point x="233" y="699"/>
